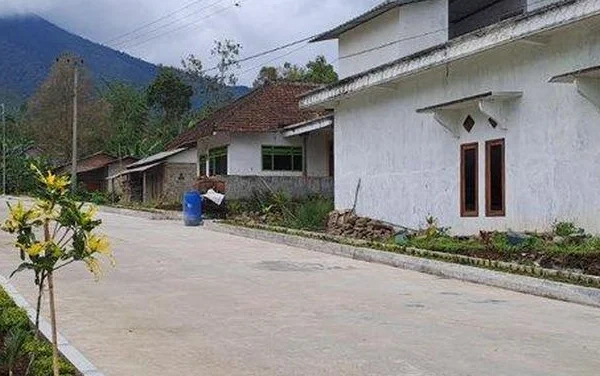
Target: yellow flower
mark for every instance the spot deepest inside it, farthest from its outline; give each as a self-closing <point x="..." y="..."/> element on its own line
<point x="88" y="216"/>
<point x="36" y="249"/>
<point x="52" y="182"/>
<point x="99" y="244"/>
<point x="44" y="210"/>
<point x="10" y="225"/>
<point x="56" y="183"/>
<point x="94" y="267"/>
<point x="33" y="250"/>
<point x="18" y="213"/>
<point x="19" y="217"/>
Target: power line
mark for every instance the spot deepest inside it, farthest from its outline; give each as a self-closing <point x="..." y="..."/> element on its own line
<point x="252" y="57"/>
<point x="303" y="40"/>
<point x="141" y="27"/>
<point x="388" y="44"/>
<point x="160" y="35"/>
<point x="125" y="43"/>
<point x="274" y="59"/>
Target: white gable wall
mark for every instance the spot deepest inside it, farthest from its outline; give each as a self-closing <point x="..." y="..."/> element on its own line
<point x="403" y="26"/>
<point x="535" y="4"/>
<point x="409" y="163"/>
<point x="188" y="156"/>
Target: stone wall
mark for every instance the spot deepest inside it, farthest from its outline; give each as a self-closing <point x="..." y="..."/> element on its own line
<point x="346" y="223"/>
<point x="178" y="178"/>
<point x="242" y="187"/>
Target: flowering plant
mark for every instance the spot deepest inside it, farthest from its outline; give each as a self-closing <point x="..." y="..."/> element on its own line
<point x="53" y="233"/>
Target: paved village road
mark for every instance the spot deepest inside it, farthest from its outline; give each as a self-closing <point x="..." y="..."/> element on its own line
<point x="187" y="301"/>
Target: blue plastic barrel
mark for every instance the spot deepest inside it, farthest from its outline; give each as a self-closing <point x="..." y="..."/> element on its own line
<point x="192" y="208"/>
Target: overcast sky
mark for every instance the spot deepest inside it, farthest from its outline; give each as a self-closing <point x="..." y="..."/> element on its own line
<point x="257" y="24"/>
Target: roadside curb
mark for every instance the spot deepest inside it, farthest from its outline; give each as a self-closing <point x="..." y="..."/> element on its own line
<point x="528" y="285"/>
<point x="68" y="351"/>
<point x="157" y="215"/>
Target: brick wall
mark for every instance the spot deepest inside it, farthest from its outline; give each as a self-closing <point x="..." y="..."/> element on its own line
<point x="177" y="179"/>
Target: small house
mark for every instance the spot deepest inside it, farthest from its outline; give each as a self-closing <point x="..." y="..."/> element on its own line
<point x="264" y="141"/>
<point x="160" y="178"/>
<point x="93" y="170"/>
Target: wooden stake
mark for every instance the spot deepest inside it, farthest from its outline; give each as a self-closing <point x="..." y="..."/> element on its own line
<point x="52" y="311"/>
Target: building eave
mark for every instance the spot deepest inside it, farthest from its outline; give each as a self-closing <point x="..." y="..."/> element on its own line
<point x="365" y="17"/>
<point x="517" y="28"/>
<point x="308" y="126"/>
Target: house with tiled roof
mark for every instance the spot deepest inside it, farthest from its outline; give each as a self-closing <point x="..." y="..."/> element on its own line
<point x="264" y="139"/>
<point x="93" y="170"/>
<point x="484" y="114"/>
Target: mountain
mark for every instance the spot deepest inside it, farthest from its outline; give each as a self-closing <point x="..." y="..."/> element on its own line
<point x="29" y="45"/>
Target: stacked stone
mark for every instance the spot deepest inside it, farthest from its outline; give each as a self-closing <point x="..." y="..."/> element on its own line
<point x="347" y="224"/>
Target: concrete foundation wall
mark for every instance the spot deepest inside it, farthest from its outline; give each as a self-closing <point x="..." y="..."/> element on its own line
<point x="409" y="164"/>
<point x="241" y="187"/>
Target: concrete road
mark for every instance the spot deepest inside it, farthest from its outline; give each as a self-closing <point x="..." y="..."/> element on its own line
<point x="187" y="301"/>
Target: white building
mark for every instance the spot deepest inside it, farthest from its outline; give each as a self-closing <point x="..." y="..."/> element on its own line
<point x="484" y="114"/>
<point x="264" y="139"/>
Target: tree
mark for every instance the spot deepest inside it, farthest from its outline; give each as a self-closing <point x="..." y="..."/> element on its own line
<point x="129" y="117"/>
<point x="320" y="72"/>
<point x="54" y="233"/>
<point x="170" y="95"/>
<point x="215" y="87"/>
<point x="316" y="71"/>
<point x="266" y="75"/>
<point x="50" y="113"/>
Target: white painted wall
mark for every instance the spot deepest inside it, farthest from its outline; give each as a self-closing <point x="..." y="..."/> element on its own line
<point x="244" y="152"/>
<point x="409" y="164"/>
<point x="535" y="4"/>
<point x="188" y="156"/>
<point x="403" y="25"/>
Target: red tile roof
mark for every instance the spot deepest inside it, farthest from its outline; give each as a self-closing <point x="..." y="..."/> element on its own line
<point x="268" y="108"/>
<point x="94" y="162"/>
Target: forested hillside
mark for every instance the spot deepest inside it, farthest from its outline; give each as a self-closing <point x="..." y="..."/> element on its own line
<point x="29" y="45"/>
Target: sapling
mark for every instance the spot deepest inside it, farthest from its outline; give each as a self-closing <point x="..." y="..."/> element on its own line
<point x="54" y="232"/>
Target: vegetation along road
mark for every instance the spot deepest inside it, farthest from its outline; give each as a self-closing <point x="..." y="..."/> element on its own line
<point x="187" y="301"/>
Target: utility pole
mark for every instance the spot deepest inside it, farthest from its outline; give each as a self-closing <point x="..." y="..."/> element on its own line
<point x="74" y="147"/>
<point x="3" y="150"/>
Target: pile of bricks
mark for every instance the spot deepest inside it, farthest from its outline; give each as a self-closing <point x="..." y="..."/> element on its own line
<point x="346" y="223"/>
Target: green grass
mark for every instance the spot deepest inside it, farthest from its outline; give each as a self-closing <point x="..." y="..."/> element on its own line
<point x="279" y="209"/>
<point x="12" y="317"/>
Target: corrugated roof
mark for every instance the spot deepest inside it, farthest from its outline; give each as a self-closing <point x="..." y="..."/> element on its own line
<point x="156" y="157"/>
<point x="90" y="163"/>
<point x="131" y="171"/>
<point x="268" y="108"/>
<point x="365" y="17"/>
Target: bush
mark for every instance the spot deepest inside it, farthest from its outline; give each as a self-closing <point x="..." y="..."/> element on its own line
<point x="12" y="317"/>
<point x="42" y="365"/>
<point x="565" y="229"/>
<point x="312" y="214"/>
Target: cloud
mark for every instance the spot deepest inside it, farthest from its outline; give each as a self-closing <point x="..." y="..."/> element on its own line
<point x="257" y="24"/>
<point x="15" y="7"/>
